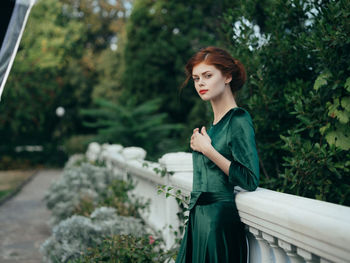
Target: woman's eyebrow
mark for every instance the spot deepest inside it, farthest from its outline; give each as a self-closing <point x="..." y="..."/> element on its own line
<point x="202" y="73"/>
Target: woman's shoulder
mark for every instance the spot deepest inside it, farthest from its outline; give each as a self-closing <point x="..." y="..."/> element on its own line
<point x="241" y="124"/>
<point x="240" y="121"/>
<point x="240" y="114"/>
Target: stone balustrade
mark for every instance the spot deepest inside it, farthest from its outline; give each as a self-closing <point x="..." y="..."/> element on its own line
<point x="281" y="228"/>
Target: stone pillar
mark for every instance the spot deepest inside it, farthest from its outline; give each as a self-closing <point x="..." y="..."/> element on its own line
<point x="175" y="163"/>
<point x="264" y="246"/>
<point x="279" y="254"/>
<point x="291" y="252"/>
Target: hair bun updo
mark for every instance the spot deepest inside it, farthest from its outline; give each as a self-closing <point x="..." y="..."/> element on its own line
<point x="223" y="61"/>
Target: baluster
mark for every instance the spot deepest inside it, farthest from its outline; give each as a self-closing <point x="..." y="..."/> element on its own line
<point x="308" y="257"/>
<point x="280" y="255"/>
<point x="253" y="250"/>
<point x="264" y="246"/>
<point x="291" y="252"/>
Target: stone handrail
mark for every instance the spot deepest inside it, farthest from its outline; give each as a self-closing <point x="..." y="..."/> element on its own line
<point x="280" y="227"/>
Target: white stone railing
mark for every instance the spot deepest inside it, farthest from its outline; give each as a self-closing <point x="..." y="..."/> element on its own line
<point x="280" y="227"/>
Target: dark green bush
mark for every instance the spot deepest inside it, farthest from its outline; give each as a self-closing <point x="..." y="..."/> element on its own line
<point x="298" y="93"/>
<point x="133" y="125"/>
<point x="77" y="144"/>
<point x="127" y="249"/>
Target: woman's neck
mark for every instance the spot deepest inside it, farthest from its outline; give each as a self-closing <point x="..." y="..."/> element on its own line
<point x="222" y="104"/>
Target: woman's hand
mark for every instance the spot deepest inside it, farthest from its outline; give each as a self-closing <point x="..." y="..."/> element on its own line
<point x="200" y="141"/>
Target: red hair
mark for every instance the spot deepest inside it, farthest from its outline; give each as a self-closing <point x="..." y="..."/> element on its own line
<point x="223" y="61"/>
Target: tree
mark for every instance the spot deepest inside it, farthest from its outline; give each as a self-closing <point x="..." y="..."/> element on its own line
<point x="60" y="62"/>
<point x="160" y="37"/>
<point x="104" y="40"/>
<point x="36" y="83"/>
<point x="133" y="126"/>
<point x="297" y="91"/>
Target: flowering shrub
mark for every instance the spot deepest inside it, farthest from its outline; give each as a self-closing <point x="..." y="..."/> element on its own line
<point x="126" y="249"/>
<point x="75" y="160"/>
<point x="77" y="183"/>
<point x="83" y="188"/>
<point x="72" y="237"/>
<point x="85" y="233"/>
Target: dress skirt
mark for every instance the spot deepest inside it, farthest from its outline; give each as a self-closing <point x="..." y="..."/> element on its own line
<point x="214" y="232"/>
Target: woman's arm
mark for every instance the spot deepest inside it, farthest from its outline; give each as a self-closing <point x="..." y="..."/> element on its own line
<point x="238" y="173"/>
<point x="201" y="142"/>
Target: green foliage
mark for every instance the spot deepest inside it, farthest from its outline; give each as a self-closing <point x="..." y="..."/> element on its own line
<point x="85" y="187"/>
<point x="337" y="132"/>
<point x="298" y="92"/>
<point x="72" y="237"/>
<point x="64" y="59"/>
<point x="104" y="19"/>
<point x="109" y="67"/>
<point x="117" y="195"/>
<point x="37" y="77"/>
<point x="160" y="37"/>
<point x="314" y="170"/>
<point x="77" y="144"/>
<point x="127" y="249"/>
<point x="162" y="171"/>
<point x="183" y="202"/>
<point x="95" y="217"/>
<point x="131" y="125"/>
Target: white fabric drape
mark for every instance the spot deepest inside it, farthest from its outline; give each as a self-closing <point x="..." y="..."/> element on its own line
<point x="12" y="38"/>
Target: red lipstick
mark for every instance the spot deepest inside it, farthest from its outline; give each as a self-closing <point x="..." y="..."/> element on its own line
<point x="203" y="91"/>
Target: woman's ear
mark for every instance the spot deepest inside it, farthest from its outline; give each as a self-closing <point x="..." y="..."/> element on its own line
<point x="228" y="79"/>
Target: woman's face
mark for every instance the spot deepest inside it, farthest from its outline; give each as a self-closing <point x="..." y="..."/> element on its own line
<point x="209" y="81"/>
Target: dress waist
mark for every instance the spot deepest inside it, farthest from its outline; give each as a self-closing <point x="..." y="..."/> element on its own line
<point x="205" y="198"/>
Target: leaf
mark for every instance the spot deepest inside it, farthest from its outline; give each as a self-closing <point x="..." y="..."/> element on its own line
<point x="343" y="116"/>
<point x="324" y="128"/>
<point x="333" y="108"/>
<point x="322" y="80"/>
<point x="339" y="137"/>
<point x="345" y="103"/>
<point x="347" y="84"/>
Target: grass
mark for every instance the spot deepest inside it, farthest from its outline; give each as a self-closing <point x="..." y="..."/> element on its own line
<point x="4" y="193"/>
<point x="11" y="181"/>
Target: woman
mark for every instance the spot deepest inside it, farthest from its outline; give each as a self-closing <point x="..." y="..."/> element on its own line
<point x="223" y="157"/>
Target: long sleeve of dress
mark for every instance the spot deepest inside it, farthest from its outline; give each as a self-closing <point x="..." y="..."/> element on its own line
<point x="244" y="168"/>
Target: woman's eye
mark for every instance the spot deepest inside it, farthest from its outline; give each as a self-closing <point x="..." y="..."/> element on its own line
<point x="195" y="79"/>
<point x="208" y="76"/>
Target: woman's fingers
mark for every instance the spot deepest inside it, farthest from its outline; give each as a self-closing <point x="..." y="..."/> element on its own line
<point x="192" y="146"/>
<point x="204" y="132"/>
<point x="192" y="141"/>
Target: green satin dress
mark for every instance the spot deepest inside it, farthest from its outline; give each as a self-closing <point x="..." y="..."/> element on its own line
<point x="214" y="232"/>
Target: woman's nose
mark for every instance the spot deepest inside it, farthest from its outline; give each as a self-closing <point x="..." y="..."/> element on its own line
<point x="201" y="82"/>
